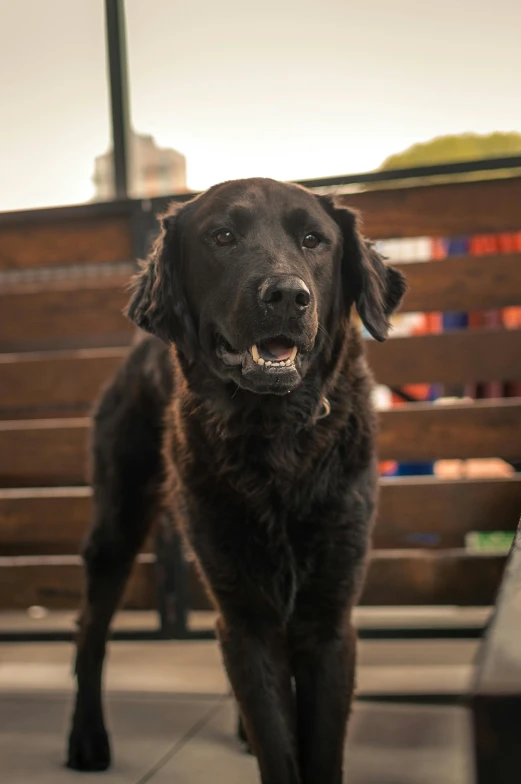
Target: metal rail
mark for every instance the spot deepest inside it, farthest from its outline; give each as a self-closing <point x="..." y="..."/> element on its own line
<point x="119" y="101"/>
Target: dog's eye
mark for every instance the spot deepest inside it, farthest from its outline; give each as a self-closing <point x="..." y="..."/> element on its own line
<point x="311" y="241"/>
<point x="224" y="237"/>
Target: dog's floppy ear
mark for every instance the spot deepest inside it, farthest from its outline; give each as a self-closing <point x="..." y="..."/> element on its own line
<point x="158" y="304"/>
<point x="375" y="288"/>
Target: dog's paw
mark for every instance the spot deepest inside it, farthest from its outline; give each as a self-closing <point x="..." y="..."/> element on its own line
<point x="89" y="750"/>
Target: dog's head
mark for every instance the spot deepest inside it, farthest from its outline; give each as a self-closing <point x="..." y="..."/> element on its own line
<point x="251" y="278"/>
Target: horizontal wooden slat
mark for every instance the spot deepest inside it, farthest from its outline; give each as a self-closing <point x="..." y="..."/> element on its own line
<point x="463" y="283"/>
<point x="448" y="210"/>
<point x="412" y="507"/>
<point x="44" y="520"/>
<point x="54" y="383"/>
<point x="65" y="383"/>
<point x="54" y="520"/>
<point x="67" y="314"/>
<point x="65" y="241"/>
<point x="57" y="582"/>
<point x="416" y="577"/>
<point x="43" y="452"/>
<point x="53" y="451"/>
<point x="439" y="210"/>
<point x="397" y="577"/>
<point x="82" y="212"/>
<point x="423" y="431"/>
<point x="451" y="358"/>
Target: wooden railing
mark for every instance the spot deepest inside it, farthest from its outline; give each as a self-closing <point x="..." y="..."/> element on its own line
<point x="63" y="334"/>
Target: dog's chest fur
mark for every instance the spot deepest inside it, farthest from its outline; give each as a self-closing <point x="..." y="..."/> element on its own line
<point x="266" y="513"/>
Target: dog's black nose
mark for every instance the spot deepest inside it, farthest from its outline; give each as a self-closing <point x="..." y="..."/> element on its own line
<point x="286" y="291"/>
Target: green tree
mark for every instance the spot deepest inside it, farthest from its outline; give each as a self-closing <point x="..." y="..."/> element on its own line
<point x="462" y="147"/>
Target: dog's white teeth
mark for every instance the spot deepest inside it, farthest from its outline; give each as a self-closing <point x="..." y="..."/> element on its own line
<point x="272" y="363"/>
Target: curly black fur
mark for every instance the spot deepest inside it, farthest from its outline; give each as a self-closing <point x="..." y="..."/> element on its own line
<point x="276" y="502"/>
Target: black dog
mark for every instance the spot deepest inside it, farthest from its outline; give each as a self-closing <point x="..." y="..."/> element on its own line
<point x="258" y="422"/>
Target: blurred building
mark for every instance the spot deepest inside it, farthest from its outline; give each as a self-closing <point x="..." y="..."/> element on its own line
<point x="153" y="170"/>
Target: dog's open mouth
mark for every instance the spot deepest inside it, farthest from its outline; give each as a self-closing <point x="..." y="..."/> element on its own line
<point x="272" y="365"/>
<point x="276" y="352"/>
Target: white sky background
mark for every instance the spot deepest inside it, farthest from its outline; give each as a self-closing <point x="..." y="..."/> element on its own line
<point x="283" y="88"/>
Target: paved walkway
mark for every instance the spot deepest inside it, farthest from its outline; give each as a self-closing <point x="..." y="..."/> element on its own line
<point x="172" y="719"/>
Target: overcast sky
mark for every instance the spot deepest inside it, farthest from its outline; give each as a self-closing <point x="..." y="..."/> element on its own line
<point x="283" y="88"/>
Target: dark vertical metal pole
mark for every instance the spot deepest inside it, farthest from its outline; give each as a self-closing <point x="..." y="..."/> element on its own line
<point x="119" y="101"/>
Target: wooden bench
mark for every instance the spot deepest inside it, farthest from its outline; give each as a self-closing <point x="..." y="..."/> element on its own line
<point x="496" y="699"/>
<point x="62" y="336"/>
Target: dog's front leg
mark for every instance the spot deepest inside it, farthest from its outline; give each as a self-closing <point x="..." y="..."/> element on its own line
<point x="256" y="661"/>
<point x="324" y="668"/>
